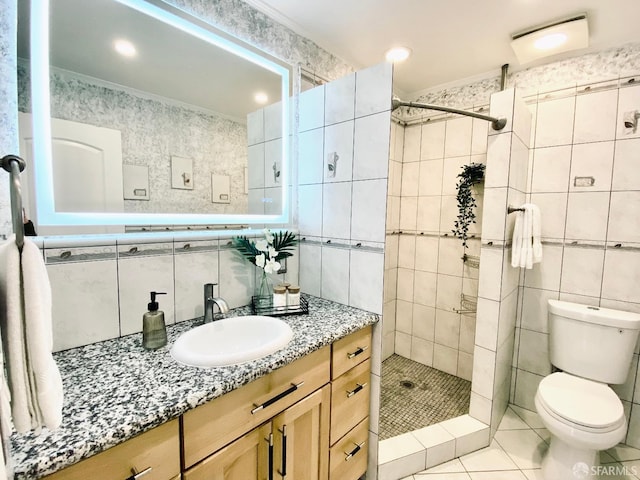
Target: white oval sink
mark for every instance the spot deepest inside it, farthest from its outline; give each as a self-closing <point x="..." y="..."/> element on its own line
<point x="231" y="340"/>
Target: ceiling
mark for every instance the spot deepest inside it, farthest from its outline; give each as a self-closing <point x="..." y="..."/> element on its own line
<point x="451" y="40"/>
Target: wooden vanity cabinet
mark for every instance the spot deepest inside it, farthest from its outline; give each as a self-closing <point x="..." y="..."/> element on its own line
<point x="156" y="452"/>
<point x="292" y="445"/>
<point x="350" y="396"/>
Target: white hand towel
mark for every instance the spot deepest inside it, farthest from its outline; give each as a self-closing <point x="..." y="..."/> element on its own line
<point x="34" y="379"/>
<point x="527" y="235"/>
<point x="516" y="241"/>
<point x="536" y="244"/>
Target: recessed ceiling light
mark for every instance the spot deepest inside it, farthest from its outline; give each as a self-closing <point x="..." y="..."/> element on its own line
<point x="125" y="47"/>
<point x="550" y="39"/>
<point x="261" y="98"/>
<point x="553" y="40"/>
<point x="398" y="54"/>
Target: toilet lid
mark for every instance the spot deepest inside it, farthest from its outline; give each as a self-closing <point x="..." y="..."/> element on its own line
<point x="581" y="401"/>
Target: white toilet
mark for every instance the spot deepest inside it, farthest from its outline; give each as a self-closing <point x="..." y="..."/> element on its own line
<point x="593" y="347"/>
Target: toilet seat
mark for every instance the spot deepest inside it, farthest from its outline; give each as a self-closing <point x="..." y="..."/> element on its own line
<point x="587" y="405"/>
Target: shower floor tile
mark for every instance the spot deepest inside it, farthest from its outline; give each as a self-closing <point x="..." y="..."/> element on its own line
<point x="434" y="397"/>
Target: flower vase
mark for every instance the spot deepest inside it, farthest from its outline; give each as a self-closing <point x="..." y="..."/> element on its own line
<point x="264" y="291"/>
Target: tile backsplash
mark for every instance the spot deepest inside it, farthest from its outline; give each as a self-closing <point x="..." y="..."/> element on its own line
<point x="101" y="291"/>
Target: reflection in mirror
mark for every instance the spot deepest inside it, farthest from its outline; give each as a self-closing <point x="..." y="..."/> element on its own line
<point x="143" y="115"/>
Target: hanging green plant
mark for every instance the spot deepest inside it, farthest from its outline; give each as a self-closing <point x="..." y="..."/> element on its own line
<point x="472" y="174"/>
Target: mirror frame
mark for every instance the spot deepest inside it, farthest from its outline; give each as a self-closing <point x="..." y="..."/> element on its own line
<point x="173" y="16"/>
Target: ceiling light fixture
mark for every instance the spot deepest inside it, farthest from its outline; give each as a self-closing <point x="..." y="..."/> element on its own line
<point x="125" y="48"/>
<point x="552" y="38"/>
<point x="397" y="54"/>
<point x="261" y="98"/>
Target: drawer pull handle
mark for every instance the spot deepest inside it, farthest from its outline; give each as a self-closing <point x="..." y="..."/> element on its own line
<point x="137" y="475"/>
<point x="280" y="396"/>
<point x="359" y="387"/>
<point x="357" y="352"/>
<point x="283" y="467"/>
<point x="350" y="455"/>
<point x="269" y="440"/>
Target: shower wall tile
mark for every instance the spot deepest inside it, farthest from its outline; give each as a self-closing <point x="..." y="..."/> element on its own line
<point x="479" y="137"/>
<point x="522" y="120"/>
<point x="451" y="168"/>
<point x="582" y="271"/>
<point x="311" y="155"/>
<point x="625" y="165"/>
<point x="445" y="359"/>
<point x="425" y="288"/>
<point x="338" y="140"/>
<point x="620" y="276"/>
<point x="373" y="89"/>
<point x="587" y="215"/>
<point x="311" y="109"/>
<point x="412" y="142"/>
<point x="368" y="205"/>
<point x="426" y="253"/>
<point x="624" y="217"/>
<point x="340" y="100"/>
<point x="458" y="137"/>
<point x="553" y="211"/>
<point x="546" y="274"/>
<point x="432" y="144"/>
<point x="595" y="117"/>
<point x="628" y="101"/>
<point x="551" y="169"/>
<point x="310" y="210"/>
<point x="335" y="275"/>
<point x="371" y="147"/>
<point x="336" y="210"/>
<point x="365" y="280"/>
<point x="404" y="316"/>
<point x="499" y="150"/>
<point x="592" y="160"/>
<point x="430" y="180"/>
<point x="407" y="251"/>
<point x="554" y="122"/>
<point x="410" y="179"/>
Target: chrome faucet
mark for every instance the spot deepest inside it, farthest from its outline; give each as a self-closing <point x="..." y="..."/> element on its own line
<point x="210" y="302"/>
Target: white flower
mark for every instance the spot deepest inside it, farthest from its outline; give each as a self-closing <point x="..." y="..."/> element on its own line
<point x="262" y="245"/>
<point x="260" y="260"/>
<point x="271" y="266"/>
<point x="273" y="253"/>
<point x="268" y="235"/>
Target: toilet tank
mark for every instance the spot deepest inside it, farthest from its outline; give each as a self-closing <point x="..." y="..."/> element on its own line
<point x="592" y="342"/>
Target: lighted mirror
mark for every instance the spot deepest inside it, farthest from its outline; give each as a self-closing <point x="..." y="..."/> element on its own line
<point x="136" y="113"/>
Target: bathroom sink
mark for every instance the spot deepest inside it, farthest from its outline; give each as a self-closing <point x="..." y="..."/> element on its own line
<point x="231" y="341"/>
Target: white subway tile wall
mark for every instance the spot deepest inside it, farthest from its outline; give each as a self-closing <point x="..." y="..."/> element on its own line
<point x="585" y="177"/>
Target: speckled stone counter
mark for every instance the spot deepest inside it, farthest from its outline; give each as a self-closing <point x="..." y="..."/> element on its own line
<point x="115" y="390"/>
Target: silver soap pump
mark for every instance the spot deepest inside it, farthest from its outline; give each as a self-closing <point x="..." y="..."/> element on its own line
<point x="154" y="331"/>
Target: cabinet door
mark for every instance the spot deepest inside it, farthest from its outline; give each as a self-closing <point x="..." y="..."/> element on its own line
<point x="245" y="459"/>
<point x="301" y="438"/>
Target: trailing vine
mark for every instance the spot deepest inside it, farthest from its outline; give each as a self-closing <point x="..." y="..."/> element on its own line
<point x="472" y="174"/>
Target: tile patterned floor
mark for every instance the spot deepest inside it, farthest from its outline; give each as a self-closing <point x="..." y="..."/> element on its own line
<point x="516" y="451"/>
<point x="436" y="396"/>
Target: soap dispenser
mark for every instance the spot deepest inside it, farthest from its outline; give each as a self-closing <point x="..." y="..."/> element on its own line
<point x="154" y="332"/>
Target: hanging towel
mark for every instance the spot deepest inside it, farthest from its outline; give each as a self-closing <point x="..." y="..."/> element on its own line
<point x="526" y="248"/>
<point x="33" y="376"/>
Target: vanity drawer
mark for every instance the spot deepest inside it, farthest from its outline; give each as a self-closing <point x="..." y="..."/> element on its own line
<point x="350" y="351"/>
<point x="350" y="400"/>
<point x="348" y="458"/>
<point x="157" y="449"/>
<point x="210" y="427"/>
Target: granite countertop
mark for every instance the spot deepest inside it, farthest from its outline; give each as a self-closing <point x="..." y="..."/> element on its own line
<point x="114" y="390"/>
